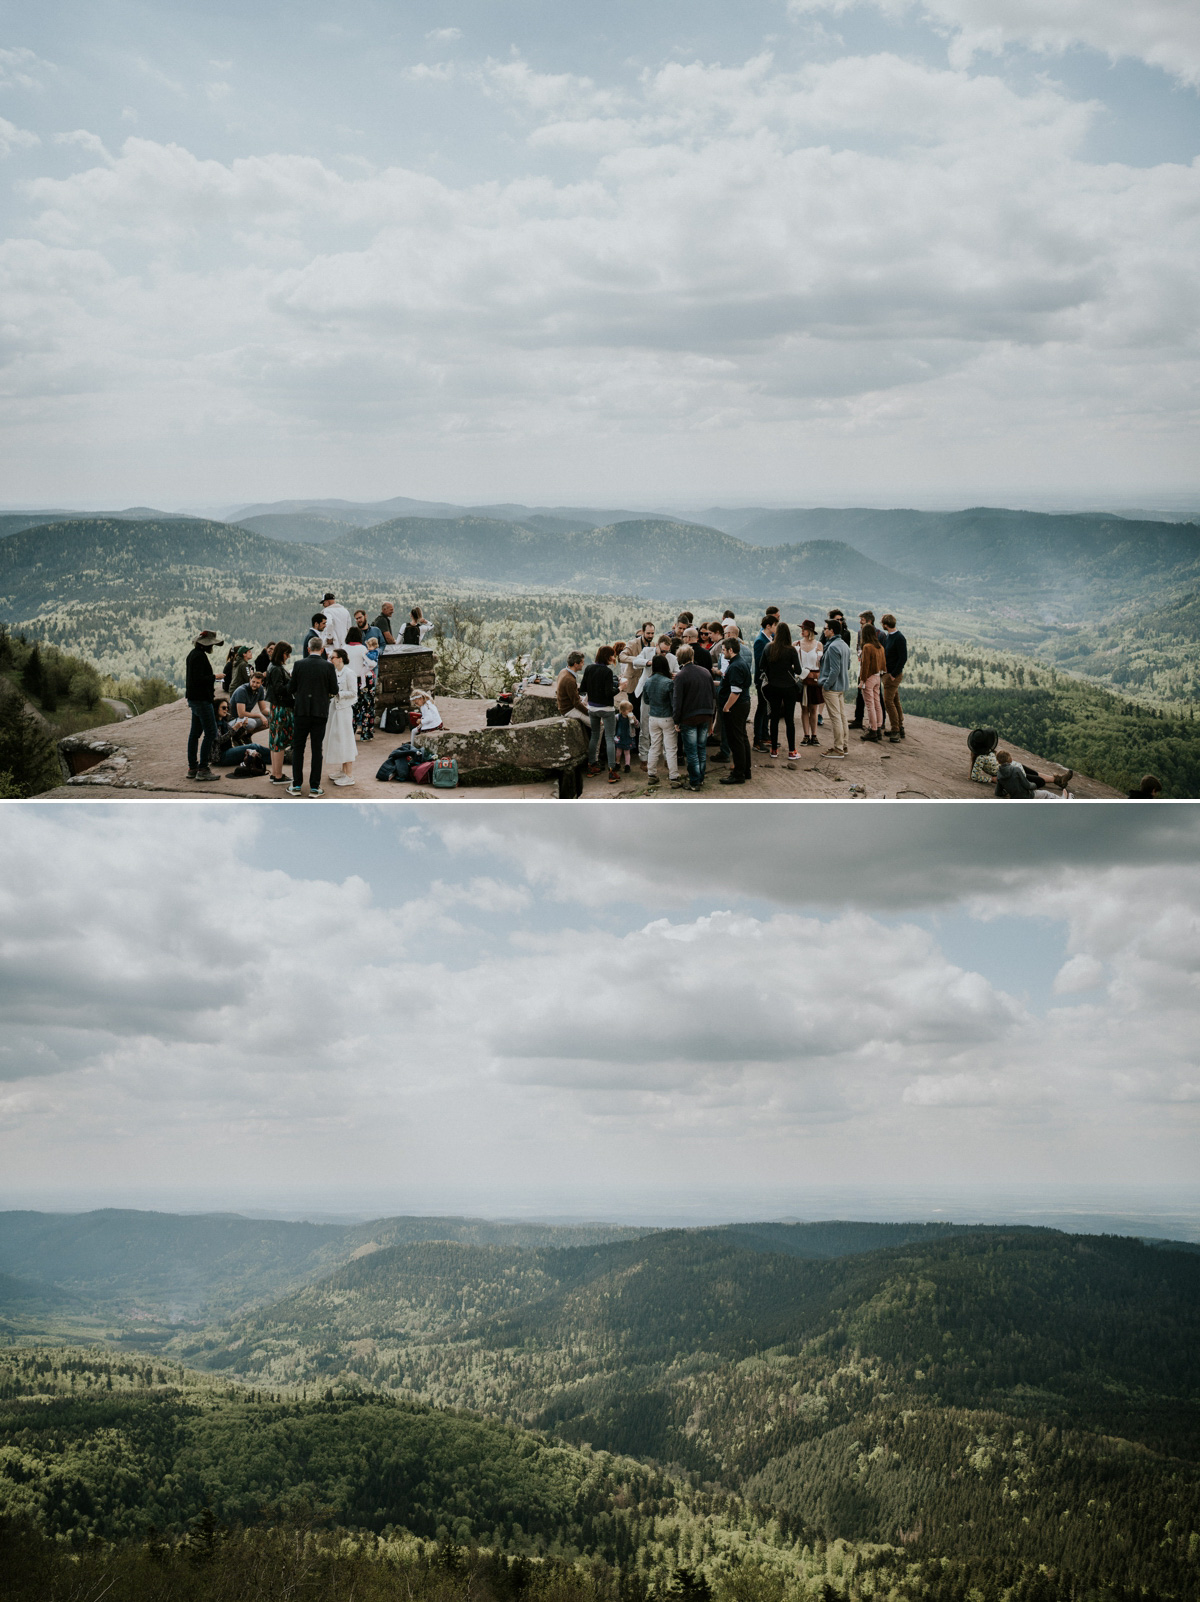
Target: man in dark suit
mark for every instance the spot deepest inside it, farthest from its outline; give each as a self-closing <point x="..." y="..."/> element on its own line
<point x="314" y="682"/>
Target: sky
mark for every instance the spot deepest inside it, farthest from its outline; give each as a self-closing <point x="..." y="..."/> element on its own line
<point x="602" y="1012"/>
<point x="781" y="252"/>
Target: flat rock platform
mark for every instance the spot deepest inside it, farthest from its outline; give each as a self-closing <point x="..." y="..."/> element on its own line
<point x="144" y="759"/>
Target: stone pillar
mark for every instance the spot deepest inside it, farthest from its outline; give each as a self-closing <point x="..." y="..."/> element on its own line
<point x="403" y="669"/>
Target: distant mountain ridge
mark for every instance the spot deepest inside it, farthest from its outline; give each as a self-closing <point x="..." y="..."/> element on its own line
<point x="83" y="558"/>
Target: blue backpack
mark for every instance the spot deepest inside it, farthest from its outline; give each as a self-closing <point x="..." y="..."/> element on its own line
<point x="445" y="774"/>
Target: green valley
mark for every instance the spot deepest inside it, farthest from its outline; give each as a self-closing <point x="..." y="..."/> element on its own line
<point x="900" y="1410"/>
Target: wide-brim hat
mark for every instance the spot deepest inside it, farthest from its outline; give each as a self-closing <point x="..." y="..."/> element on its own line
<point x="207" y="637"/>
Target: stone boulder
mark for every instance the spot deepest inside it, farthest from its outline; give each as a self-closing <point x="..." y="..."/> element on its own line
<point x="518" y="753"/>
<point x="535" y="702"/>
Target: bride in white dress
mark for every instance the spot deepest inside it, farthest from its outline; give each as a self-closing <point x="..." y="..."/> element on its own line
<point x="340" y="748"/>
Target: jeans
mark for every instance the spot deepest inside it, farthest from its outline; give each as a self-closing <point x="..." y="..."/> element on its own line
<point x="663" y="742"/>
<point x="307" y="728"/>
<point x="739" y="740"/>
<point x="891" y="700"/>
<point x="235" y="753"/>
<point x="835" y="705"/>
<point x="606" y="720"/>
<point x="695" y="750"/>
<point x="203" y="733"/>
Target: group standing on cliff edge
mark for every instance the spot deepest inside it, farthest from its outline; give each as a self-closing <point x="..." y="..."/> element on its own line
<point x="667" y="696"/>
<point x="688" y="696"/>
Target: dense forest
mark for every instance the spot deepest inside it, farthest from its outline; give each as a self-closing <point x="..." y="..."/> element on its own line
<point x="758" y="1411"/>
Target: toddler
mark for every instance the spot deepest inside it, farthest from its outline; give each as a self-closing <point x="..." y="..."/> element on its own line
<point x="428" y="715"/>
<point x="627" y="727"/>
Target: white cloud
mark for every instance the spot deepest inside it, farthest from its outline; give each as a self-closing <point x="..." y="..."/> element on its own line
<point x="14" y="138"/>
<point x="22" y="69"/>
<point x="1164" y="33"/>
<point x="170" y="1006"/>
<point x="91" y="143"/>
<point x="963" y="247"/>
<point x="444" y="35"/>
<point x="1080" y="972"/>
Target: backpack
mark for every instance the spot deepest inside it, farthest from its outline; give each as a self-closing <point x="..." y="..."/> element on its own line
<point x="394" y="720"/>
<point x="445" y="774"/>
<point x="421" y="773"/>
<point x="497" y="716"/>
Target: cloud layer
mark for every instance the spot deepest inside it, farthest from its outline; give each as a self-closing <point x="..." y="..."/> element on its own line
<point x="175" y="1015"/>
<point x="864" y="260"/>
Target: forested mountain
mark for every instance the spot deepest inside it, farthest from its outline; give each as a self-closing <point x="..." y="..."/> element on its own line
<point x="179" y="1264"/>
<point x="692" y="1346"/>
<point x="987" y="548"/>
<point x="790" y="1412"/>
<point x="652" y="555"/>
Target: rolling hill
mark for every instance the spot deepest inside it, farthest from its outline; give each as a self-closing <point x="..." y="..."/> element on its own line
<point x="653" y="556"/>
<point x="174" y="1263"/>
<point x="853" y="1410"/>
<point x="993" y="551"/>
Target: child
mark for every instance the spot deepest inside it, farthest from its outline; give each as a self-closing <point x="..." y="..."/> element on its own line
<point x="627" y="727"/>
<point x="430" y="717"/>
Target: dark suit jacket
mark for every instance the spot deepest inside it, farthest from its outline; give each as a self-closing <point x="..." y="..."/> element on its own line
<point x="313" y="682"/>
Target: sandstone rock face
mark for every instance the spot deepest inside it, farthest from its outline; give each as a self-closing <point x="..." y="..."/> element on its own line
<point x="536" y="702"/>
<point x="517" y="753"/>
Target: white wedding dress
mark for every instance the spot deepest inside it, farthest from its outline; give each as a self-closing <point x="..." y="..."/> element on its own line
<point x="339" y="731"/>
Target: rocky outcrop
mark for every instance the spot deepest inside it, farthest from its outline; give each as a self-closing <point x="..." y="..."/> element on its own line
<point x="535" y="702"/>
<point x="518" y="753"/>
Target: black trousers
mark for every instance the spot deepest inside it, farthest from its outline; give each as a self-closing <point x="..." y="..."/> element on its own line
<point x="739" y="740"/>
<point x="762" y="717"/>
<point x="859" y="707"/>
<point x="783" y="705"/>
<point x="305" y="729"/>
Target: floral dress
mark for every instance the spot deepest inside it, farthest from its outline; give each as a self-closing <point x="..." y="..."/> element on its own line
<point x="278" y="691"/>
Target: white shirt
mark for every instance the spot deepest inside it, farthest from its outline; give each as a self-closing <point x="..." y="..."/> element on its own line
<point x="810" y="660"/>
<point x="430" y="716"/>
<point x="337" y="623"/>
<point x="358" y="661"/>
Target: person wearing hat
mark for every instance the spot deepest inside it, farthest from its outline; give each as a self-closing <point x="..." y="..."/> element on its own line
<point x="199" y="684"/>
<point x="337" y="622"/>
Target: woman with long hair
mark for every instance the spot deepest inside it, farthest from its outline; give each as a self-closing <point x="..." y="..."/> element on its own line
<point x="277" y="688"/>
<point x="360" y="662"/>
<point x="871" y="666"/>
<point x="781" y="679"/>
<point x="810" y="652"/>
<point x="599" y="689"/>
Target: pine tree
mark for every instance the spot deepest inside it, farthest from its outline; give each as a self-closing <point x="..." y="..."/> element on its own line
<point x="31" y="673"/>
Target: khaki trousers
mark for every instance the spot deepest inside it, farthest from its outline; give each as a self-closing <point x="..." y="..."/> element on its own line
<point x="835" y="707"/>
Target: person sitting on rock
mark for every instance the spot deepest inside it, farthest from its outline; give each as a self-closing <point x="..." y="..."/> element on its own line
<point x="428" y="716"/>
<point x="1015" y="782"/>
<point x="566" y="691"/>
<point x="248" y="706"/>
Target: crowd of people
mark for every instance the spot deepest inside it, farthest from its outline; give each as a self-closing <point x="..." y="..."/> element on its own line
<point x="685" y="697"/>
<point x="320" y="703"/>
<point x="665" y="697"/>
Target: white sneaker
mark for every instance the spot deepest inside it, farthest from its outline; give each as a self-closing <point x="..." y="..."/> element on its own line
<point x="343" y="778"/>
